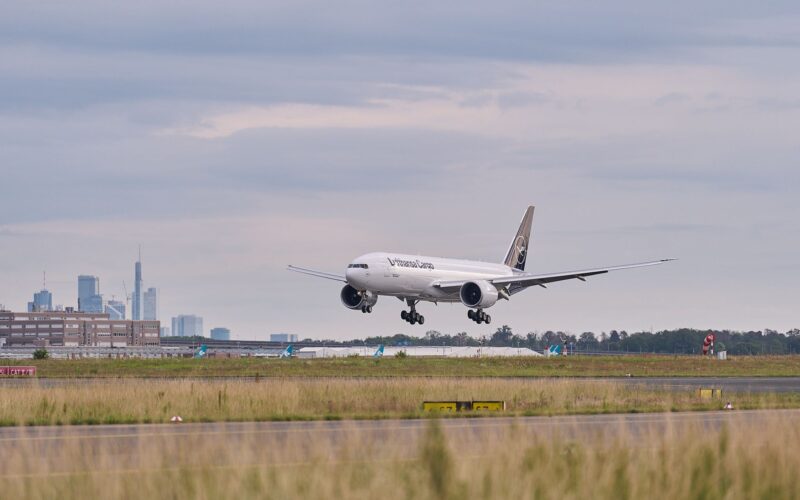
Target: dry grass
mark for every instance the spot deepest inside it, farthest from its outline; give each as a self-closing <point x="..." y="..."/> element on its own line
<point x="744" y="459"/>
<point x="153" y="401"/>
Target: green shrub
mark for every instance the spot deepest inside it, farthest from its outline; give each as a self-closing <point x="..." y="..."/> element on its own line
<point x="41" y="354"/>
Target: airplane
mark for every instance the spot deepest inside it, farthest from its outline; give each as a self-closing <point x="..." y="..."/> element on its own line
<point x="288" y="352"/>
<point x="378" y="352"/>
<point x="477" y="285"/>
<point x="201" y="352"/>
<point x="553" y="350"/>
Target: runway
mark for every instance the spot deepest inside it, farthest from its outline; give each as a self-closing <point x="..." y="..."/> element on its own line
<point x="49" y="451"/>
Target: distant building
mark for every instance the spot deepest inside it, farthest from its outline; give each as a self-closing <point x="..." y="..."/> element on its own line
<point x="70" y="328"/>
<point x="115" y="309"/>
<point x="89" y="298"/>
<point x="187" y="325"/>
<point x="283" y="337"/>
<point x="42" y="301"/>
<point x="165" y="331"/>
<point x="150" y="304"/>
<point x="137" y="299"/>
<point x="220" y="334"/>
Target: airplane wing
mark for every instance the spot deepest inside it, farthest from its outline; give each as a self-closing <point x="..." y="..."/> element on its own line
<point x="519" y="282"/>
<point x="318" y="274"/>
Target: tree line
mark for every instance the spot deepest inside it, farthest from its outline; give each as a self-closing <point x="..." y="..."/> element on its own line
<point x="680" y="341"/>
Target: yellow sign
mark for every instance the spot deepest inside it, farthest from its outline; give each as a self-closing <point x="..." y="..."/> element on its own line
<point x="440" y="406"/>
<point x="709" y="393"/>
<point x="454" y="406"/>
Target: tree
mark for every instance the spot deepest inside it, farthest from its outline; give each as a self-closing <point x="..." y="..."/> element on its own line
<point x="502" y="337"/>
<point x="41" y="354"/>
<point x="587" y="341"/>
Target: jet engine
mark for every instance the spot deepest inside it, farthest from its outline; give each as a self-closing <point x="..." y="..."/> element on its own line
<point x="356" y="299"/>
<point x="479" y="294"/>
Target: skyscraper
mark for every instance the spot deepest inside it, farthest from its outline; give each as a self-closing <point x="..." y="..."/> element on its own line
<point x="115" y="309"/>
<point x="42" y="301"/>
<point x="136" y="306"/>
<point x="87" y="286"/>
<point x="89" y="298"/>
<point x="187" y="325"/>
<point x="151" y="304"/>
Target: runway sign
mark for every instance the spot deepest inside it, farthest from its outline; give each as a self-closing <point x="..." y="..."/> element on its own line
<point x="18" y="371"/>
<point x="709" y="393"/>
<point x="454" y="406"/>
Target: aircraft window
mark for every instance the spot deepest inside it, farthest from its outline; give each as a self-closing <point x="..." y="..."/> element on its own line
<point x="358" y="266"/>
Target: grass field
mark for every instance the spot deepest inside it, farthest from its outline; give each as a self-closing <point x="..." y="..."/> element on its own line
<point x="581" y="366"/>
<point x="742" y="460"/>
<point x="153" y="401"/>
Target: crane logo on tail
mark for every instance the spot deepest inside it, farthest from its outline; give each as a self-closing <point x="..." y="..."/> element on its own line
<point x="521" y="245"/>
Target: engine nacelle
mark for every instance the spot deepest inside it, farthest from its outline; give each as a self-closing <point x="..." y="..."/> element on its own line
<point x="355" y="299"/>
<point x="480" y="294"/>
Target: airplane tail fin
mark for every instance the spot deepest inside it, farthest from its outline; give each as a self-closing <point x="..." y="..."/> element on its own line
<point x="553" y="350"/>
<point x="288" y="352"/>
<point x="201" y="352"/>
<point x="378" y="352"/>
<point x="518" y="251"/>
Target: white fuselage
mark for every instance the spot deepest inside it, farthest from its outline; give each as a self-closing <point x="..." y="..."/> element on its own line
<point x="413" y="276"/>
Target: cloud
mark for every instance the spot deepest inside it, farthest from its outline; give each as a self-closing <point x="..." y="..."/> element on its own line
<point x="232" y="144"/>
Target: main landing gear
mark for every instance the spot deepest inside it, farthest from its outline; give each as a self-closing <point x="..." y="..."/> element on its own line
<point x="366" y="309"/>
<point x="478" y="316"/>
<point x="412" y="316"/>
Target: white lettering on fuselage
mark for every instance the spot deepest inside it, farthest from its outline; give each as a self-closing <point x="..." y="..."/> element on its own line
<point x="413" y="264"/>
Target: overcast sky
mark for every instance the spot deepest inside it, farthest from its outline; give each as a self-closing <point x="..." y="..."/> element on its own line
<point x="231" y="139"/>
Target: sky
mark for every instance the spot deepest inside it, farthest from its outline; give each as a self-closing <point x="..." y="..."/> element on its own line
<point x="231" y="139"/>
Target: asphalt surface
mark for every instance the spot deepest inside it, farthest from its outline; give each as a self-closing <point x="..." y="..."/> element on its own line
<point x="54" y="451"/>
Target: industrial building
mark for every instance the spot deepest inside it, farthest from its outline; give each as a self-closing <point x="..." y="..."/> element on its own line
<point x="72" y="329"/>
<point x="417" y="351"/>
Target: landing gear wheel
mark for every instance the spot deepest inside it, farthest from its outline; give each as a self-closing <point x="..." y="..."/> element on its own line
<point x="478" y="316"/>
<point x="369" y="309"/>
<point x="412" y="316"/>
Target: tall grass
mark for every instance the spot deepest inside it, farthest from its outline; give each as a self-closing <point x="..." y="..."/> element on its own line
<point x="152" y="401"/>
<point x="746" y="458"/>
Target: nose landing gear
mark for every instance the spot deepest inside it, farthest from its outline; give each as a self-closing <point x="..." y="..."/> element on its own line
<point x="478" y="316"/>
<point x="366" y="309"/>
<point x="412" y="316"/>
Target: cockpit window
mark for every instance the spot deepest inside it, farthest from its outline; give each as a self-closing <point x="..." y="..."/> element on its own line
<point x="358" y="266"/>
